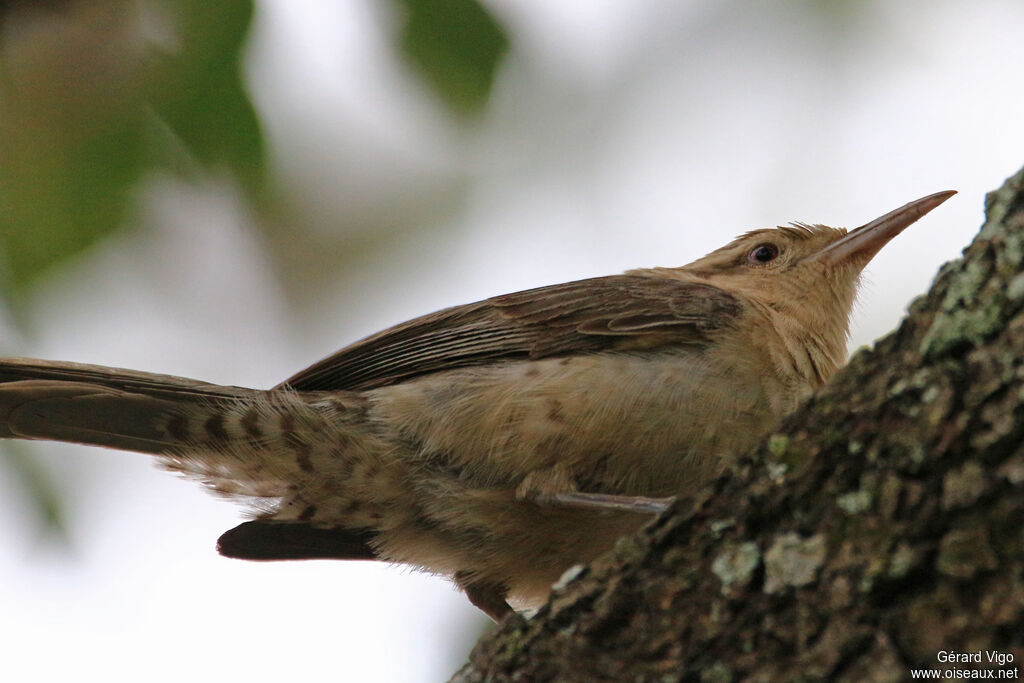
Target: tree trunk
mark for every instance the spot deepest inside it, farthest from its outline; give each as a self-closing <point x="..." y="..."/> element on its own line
<point x="880" y="526"/>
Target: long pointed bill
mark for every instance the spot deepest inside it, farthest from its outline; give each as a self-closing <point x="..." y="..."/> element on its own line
<point x="860" y="245"/>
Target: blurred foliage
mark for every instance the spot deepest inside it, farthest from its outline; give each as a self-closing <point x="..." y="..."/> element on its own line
<point x="198" y="92"/>
<point x="35" y="481"/>
<point x="70" y="135"/>
<point x="457" y="47"/>
<point x="85" y="90"/>
<point x="94" y="94"/>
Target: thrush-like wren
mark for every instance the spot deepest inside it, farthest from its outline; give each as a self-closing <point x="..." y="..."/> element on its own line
<point x="502" y="441"/>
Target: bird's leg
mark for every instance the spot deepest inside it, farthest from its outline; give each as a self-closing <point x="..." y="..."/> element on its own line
<point x="488" y="597"/>
<point x="605" y="501"/>
<point x="554" y="486"/>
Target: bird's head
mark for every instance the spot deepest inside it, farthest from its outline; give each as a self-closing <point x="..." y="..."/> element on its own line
<point x="800" y="263"/>
<point x="804" y="276"/>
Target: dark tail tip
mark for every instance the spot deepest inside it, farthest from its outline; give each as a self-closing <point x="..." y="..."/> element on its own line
<point x="274" y="540"/>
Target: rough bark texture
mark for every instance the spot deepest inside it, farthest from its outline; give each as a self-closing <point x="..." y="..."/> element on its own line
<point x="883" y="522"/>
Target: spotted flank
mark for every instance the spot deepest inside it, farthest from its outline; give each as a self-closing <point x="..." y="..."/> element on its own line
<point x="305" y="458"/>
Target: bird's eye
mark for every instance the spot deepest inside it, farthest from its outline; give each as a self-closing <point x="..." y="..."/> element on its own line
<point x="763" y="253"/>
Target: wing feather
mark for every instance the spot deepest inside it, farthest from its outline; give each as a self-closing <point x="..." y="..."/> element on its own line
<point x="615" y="313"/>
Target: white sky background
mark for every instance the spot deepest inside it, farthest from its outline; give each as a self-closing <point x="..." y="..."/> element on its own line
<point x="621" y="134"/>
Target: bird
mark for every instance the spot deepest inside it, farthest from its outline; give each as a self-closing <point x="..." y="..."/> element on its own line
<point x="501" y="442"/>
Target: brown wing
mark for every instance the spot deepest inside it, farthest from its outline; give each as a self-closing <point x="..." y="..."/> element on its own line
<point x="616" y="313"/>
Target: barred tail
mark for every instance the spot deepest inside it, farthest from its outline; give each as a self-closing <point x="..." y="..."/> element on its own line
<point x="100" y="406"/>
<point x="275" y="448"/>
<point x="307" y="462"/>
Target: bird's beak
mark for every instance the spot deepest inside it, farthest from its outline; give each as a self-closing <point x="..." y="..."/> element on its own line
<point x="859" y="246"/>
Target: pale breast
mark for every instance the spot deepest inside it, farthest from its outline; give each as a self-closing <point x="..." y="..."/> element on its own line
<point x="651" y="423"/>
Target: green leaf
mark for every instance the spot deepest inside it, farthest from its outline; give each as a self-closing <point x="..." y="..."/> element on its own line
<point x="198" y="90"/>
<point x="456" y="45"/>
<point x="78" y="92"/>
<point x="70" y="141"/>
<point x="38" y="485"/>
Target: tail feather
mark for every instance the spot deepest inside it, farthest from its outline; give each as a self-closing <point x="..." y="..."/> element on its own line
<point x="99" y="406"/>
<point x="16" y="369"/>
<point x="286" y="453"/>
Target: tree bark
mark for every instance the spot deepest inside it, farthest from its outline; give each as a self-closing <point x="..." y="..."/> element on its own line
<point x="882" y="524"/>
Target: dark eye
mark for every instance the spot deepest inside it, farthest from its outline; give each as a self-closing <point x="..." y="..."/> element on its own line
<point x="763" y="253"/>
